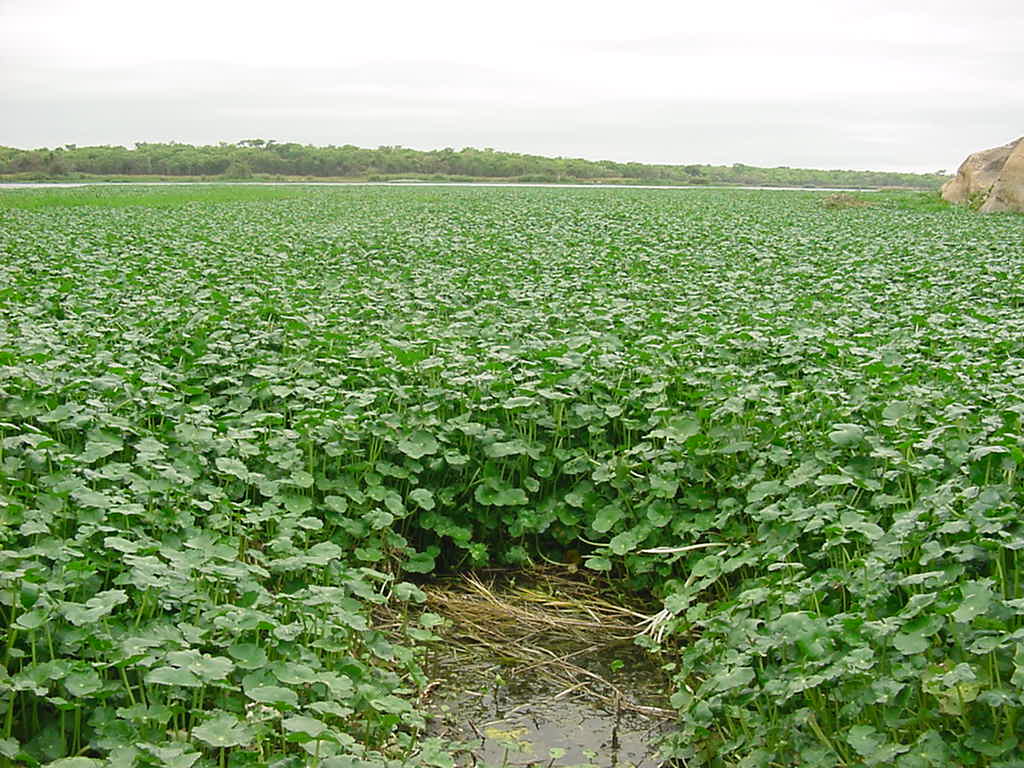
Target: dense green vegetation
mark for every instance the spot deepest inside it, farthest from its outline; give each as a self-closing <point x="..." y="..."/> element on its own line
<point x="233" y="427"/>
<point x="268" y="159"/>
<point x="152" y="196"/>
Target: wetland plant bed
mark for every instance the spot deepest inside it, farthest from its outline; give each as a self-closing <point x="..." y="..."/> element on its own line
<point x="241" y="427"/>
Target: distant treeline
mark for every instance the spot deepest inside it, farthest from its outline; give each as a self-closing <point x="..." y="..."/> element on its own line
<point x="255" y="158"/>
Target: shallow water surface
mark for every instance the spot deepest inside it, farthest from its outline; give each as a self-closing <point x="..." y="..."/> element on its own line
<point x="511" y="716"/>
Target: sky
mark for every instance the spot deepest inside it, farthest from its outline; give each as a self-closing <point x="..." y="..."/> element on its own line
<point x="875" y="84"/>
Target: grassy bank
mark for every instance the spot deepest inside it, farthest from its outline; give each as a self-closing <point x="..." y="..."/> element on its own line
<point x="255" y="158"/>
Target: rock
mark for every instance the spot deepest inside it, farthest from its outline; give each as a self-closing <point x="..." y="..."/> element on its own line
<point x="980" y="173"/>
<point x="1008" y="192"/>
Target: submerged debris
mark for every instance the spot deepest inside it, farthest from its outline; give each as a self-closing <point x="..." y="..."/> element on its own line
<point x="541" y="669"/>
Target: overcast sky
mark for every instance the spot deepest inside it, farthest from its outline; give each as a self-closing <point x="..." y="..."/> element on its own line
<point x="874" y="84"/>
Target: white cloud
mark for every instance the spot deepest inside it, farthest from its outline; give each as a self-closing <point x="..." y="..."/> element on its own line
<point x="785" y="83"/>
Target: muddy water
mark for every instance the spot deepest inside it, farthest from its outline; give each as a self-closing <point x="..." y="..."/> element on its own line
<point x="509" y="714"/>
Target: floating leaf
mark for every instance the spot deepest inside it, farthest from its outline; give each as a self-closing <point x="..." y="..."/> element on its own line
<point x="977" y="597"/>
<point x="336" y="504"/>
<point x="418" y="445"/>
<point x="248" y="655"/>
<point x="734" y="678"/>
<point x="846" y="434"/>
<point x="424" y="499"/>
<point x="406" y="591"/>
<point x="172" y="757"/>
<point x="32" y="620"/>
<point x="283" y="698"/>
<point x="864" y="739"/>
<point x="233" y="467"/>
<point x="420" y="562"/>
<point x="83" y="683"/>
<point x="501" y="496"/>
<point x="173" y="676"/>
<point x="304" y="726"/>
<point x="391" y="704"/>
<point x="518" y="402"/>
<point x="760" y="491"/>
<point x="910" y="643"/>
<point x="224" y="730"/>
<point x="95" y="608"/>
<point x="503" y="449"/>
